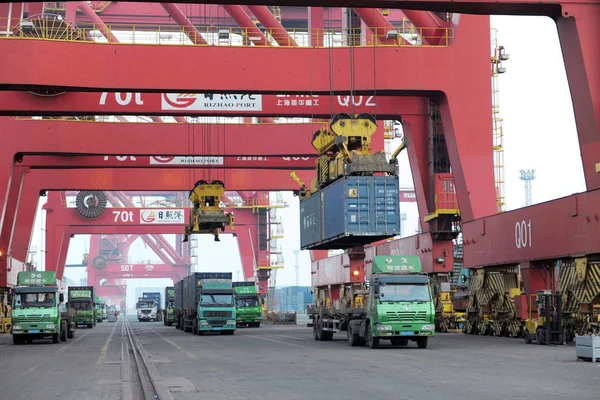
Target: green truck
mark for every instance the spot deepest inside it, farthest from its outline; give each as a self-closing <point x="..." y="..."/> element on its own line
<point x="204" y="302"/>
<point x="247" y="304"/>
<point x="169" y="309"/>
<point x="81" y="305"/>
<point x="100" y="309"/>
<point x="392" y="300"/>
<point x="38" y="310"/>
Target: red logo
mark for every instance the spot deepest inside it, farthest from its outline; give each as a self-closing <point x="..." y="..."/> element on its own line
<point x="180" y="100"/>
<point x="148" y="216"/>
<point x="163" y="159"/>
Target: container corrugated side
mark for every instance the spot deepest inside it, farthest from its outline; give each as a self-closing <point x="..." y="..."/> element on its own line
<point x="310" y="220"/>
<point x="367" y="210"/>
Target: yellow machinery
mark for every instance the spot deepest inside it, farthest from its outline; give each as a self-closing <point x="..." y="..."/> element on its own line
<point x="207" y="216"/>
<point x="546" y="327"/>
<point x="5" y="309"/>
<point x="446" y="317"/>
<point x="491" y="306"/>
<point x="344" y="150"/>
<point x="580" y="287"/>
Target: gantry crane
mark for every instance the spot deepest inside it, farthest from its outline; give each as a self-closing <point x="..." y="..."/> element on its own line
<point x="207" y="216"/>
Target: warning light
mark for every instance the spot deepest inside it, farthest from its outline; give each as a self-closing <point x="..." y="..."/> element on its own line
<point x="355" y="273"/>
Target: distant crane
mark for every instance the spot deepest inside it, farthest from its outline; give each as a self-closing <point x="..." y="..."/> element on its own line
<point x="297" y="266"/>
<point x="527" y="176"/>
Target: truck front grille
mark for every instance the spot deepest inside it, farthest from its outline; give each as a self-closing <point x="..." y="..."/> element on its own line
<point x="145" y="311"/>
<point x="218" y="323"/>
<point x="407" y="316"/>
<point x="33" y="318"/>
<point x="213" y="314"/>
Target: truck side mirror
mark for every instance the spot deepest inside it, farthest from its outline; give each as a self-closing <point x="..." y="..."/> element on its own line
<point x="436" y="289"/>
<point x="61" y="297"/>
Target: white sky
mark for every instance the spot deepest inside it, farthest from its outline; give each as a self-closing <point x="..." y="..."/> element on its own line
<point x="539" y="133"/>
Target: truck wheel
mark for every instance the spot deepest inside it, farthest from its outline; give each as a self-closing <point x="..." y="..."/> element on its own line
<point x="352" y="337"/>
<point x="315" y="330"/>
<point x="70" y="332"/>
<point x="527" y="337"/>
<point x="422" y="342"/>
<point x="63" y="332"/>
<point x="55" y="338"/>
<point x="17" y="339"/>
<point x="371" y="341"/>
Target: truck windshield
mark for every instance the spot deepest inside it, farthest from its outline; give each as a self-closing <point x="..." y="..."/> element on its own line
<point x="216" y="300"/>
<point x="35" y="300"/>
<point x="403" y="292"/>
<point x="248" y="302"/>
<point x="81" y="305"/>
<point x="171" y="304"/>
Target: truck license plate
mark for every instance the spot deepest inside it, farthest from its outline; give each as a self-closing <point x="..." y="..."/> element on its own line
<point x="34" y="331"/>
<point x="217" y="329"/>
<point x="406" y="333"/>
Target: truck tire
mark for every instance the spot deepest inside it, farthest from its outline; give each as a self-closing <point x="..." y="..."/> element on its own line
<point x="372" y="342"/>
<point x="63" y="331"/>
<point x="422" y="342"/>
<point x="70" y="332"/>
<point x="55" y="338"/>
<point x="17" y="339"/>
<point x="352" y="337"/>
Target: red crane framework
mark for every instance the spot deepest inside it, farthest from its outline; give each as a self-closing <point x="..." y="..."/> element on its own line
<point x="442" y="97"/>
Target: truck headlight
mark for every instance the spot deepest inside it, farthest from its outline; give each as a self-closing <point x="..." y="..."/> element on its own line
<point x="50" y="326"/>
<point x="384" y="327"/>
<point x="204" y="323"/>
<point x="231" y="322"/>
<point x="17" y="327"/>
<point x="428" y="327"/>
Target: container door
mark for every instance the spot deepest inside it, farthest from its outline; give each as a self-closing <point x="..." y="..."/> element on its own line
<point x="386" y="205"/>
<point x="359" y="214"/>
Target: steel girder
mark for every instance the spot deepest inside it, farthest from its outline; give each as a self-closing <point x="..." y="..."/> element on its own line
<point x="179" y="104"/>
<point x="484" y="7"/>
<point x="443" y="73"/>
<point x="63" y="222"/>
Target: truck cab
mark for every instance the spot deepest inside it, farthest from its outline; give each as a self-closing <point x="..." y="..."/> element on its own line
<point x="146" y="310"/>
<point x="400" y="308"/>
<point x="81" y="305"/>
<point x="247" y="304"/>
<point x="100" y="310"/>
<point x="216" y="308"/>
<point x="169" y="310"/>
<point x="37" y="306"/>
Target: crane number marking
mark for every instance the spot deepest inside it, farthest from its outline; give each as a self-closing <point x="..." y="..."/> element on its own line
<point x="123" y="99"/>
<point x="123" y="216"/>
<point x="523" y="234"/>
<point x="121" y="158"/>
<point x="126" y="268"/>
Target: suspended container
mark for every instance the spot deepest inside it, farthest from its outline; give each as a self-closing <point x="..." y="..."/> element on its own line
<point x="353" y="211"/>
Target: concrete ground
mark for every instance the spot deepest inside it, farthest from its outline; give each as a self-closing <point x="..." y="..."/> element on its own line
<point x="285" y="362"/>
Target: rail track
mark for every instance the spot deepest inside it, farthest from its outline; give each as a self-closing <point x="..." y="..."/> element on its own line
<point x="142" y="381"/>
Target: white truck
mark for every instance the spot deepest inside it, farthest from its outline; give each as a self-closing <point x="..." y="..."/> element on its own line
<point x="146" y="310"/>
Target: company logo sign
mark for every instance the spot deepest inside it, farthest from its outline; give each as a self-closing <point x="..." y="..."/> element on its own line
<point x="162" y="216"/>
<point x="211" y="101"/>
<point x="186" y="160"/>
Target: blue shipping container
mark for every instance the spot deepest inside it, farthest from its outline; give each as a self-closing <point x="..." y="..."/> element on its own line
<point x="310" y="220"/>
<point x="356" y="210"/>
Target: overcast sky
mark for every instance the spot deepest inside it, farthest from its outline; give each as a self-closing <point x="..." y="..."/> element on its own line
<point x="539" y="131"/>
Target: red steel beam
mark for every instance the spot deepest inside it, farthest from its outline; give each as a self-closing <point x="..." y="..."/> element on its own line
<point x="316" y="26"/>
<point x="482" y="7"/>
<point x="97" y="21"/>
<point x="274" y="27"/>
<point x="530" y="234"/>
<point x="178" y="104"/>
<point x="378" y="24"/>
<point x="300" y="162"/>
<point x="243" y="20"/>
<point x="431" y="28"/>
<point x="188" y="28"/>
<point x="115" y="200"/>
<point x="448" y="70"/>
